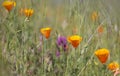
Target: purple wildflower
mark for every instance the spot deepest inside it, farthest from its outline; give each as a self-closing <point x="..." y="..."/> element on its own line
<point x="57" y="53"/>
<point x="62" y="41"/>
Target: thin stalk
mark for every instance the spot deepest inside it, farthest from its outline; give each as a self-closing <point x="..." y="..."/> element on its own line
<point x="85" y="65"/>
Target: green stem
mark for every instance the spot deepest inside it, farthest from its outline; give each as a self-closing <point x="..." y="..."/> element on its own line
<point x="85" y="65"/>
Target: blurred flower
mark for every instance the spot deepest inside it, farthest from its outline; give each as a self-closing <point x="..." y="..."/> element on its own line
<point x="75" y="40"/>
<point x="94" y="16"/>
<point x="102" y="54"/>
<point x="28" y="12"/>
<point x="100" y="29"/>
<point x="75" y="30"/>
<point x="57" y="53"/>
<point x="46" y="32"/>
<point x="9" y="5"/>
<point x="62" y="41"/>
<point x="64" y="24"/>
<point x="113" y="66"/>
<point x="21" y="11"/>
<point x="116" y="72"/>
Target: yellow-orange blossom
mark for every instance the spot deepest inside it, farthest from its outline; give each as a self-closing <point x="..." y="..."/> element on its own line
<point x="46" y="32"/>
<point x="102" y="54"/>
<point x="100" y="29"/>
<point x="113" y="66"/>
<point x="94" y="16"/>
<point x="75" y="40"/>
<point x="28" y="12"/>
<point x="9" y="5"/>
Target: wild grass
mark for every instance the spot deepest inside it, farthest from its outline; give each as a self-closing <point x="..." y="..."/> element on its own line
<point x="24" y="51"/>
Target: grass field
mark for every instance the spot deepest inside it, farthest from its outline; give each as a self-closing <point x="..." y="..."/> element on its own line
<point x="27" y="49"/>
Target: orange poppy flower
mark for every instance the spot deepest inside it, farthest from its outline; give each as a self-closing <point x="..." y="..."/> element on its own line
<point x="100" y="29"/>
<point x="28" y="12"/>
<point x="94" y="16"/>
<point x="9" y="5"/>
<point x="46" y="32"/>
<point x="113" y="66"/>
<point x="74" y="40"/>
<point x="102" y="55"/>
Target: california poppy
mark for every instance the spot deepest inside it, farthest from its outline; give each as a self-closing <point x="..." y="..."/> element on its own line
<point x="28" y="12"/>
<point x="113" y="66"/>
<point x="102" y="54"/>
<point x="100" y="29"/>
<point x="75" y="40"/>
<point x="9" y="5"/>
<point x="46" y="32"/>
<point x="94" y="16"/>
